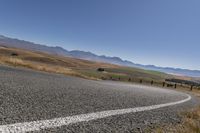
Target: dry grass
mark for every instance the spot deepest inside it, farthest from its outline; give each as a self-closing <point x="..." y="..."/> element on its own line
<point x="190" y="123"/>
<point x="48" y="63"/>
<point x="48" y="59"/>
<point x="77" y="67"/>
<point x="40" y="66"/>
<point x="190" y="119"/>
<point x="71" y="66"/>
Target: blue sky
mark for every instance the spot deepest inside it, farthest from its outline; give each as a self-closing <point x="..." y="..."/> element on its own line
<point x="159" y="32"/>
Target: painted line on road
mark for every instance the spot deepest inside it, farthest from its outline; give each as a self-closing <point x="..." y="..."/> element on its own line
<point x="58" y="122"/>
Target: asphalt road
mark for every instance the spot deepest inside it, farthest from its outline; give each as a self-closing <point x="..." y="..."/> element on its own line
<point x="27" y="96"/>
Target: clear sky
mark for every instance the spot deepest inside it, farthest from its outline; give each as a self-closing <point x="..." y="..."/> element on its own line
<point x="159" y="32"/>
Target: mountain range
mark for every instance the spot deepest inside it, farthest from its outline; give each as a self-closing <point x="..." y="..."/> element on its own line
<point x="16" y="43"/>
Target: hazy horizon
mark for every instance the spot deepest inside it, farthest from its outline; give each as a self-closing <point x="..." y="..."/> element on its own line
<point x="145" y="32"/>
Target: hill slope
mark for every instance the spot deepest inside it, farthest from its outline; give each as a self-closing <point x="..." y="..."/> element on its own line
<point x="75" y="67"/>
<point x="16" y="43"/>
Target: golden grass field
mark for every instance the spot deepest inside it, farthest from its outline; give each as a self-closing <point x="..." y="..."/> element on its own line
<point x="48" y="63"/>
<point x="82" y="68"/>
<point x="75" y="67"/>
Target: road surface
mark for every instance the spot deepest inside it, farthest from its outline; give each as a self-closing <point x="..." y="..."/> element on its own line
<point x="44" y="102"/>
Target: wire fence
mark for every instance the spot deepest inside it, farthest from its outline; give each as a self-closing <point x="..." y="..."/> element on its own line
<point x="153" y="82"/>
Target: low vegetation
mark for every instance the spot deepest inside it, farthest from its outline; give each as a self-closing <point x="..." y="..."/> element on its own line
<point x="100" y="69"/>
<point x="75" y="67"/>
<point x="45" y="62"/>
<point x="190" y="123"/>
<point x="38" y="66"/>
<point x="85" y="69"/>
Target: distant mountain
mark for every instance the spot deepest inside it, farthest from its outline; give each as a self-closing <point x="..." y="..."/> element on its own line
<point x="16" y="43"/>
<point x="10" y="42"/>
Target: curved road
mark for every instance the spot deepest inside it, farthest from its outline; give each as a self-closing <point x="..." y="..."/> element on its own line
<point x="43" y="102"/>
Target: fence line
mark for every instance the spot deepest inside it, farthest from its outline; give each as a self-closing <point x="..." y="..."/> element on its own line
<point x="152" y="82"/>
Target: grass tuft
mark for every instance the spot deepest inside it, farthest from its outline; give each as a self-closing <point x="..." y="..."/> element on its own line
<point x="190" y="123"/>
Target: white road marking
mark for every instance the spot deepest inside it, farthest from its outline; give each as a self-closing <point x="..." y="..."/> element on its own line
<point x="58" y="122"/>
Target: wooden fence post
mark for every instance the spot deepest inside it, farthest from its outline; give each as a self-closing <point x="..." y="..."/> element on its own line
<point x="152" y="82"/>
<point x="163" y="84"/>
<point x="191" y="87"/>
